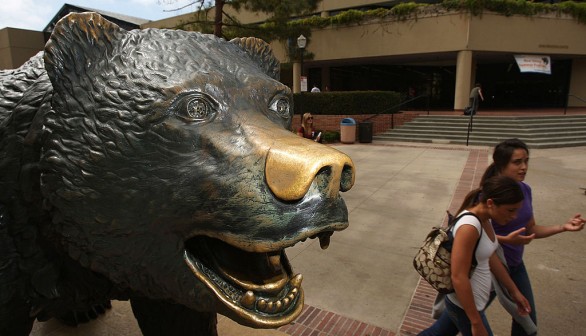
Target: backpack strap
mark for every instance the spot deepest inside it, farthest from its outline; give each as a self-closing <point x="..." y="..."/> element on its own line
<point x="452" y="222"/>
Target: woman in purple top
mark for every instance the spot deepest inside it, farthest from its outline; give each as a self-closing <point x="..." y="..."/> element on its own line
<point x="511" y="158"/>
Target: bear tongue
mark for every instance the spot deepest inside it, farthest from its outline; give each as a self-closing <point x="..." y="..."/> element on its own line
<point x="259" y="272"/>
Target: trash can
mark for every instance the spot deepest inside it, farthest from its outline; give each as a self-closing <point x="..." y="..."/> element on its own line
<point x="365" y="131"/>
<point x="348" y="131"/>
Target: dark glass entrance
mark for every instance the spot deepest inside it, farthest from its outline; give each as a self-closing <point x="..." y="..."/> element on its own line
<point x="504" y="86"/>
<point x="408" y="80"/>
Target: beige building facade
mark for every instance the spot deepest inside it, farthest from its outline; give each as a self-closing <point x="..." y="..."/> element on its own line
<point x="445" y="54"/>
<point x="436" y="52"/>
<point x="18" y="45"/>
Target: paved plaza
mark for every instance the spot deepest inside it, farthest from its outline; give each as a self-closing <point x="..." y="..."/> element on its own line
<point x="365" y="284"/>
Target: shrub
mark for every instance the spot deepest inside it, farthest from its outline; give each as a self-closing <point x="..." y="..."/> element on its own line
<point x="347" y="102"/>
<point x="330" y="136"/>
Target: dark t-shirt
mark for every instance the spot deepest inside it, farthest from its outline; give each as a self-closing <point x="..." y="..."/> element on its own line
<point x="514" y="253"/>
<point x="307" y="136"/>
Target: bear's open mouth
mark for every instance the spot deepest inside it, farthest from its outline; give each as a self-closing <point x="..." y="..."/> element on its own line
<point x="258" y="287"/>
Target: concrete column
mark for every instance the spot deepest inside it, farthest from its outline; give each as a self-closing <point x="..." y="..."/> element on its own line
<point x="465" y="73"/>
<point x="296" y="77"/>
<point x="577" y="88"/>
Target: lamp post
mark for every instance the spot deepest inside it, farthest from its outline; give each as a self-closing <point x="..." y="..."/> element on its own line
<point x="301" y="43"/>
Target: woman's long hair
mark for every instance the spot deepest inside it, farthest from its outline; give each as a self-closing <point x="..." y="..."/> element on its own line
<point x="501" y="156"/>
<point x="500" y="189"/>
<point x="307" y="129"/>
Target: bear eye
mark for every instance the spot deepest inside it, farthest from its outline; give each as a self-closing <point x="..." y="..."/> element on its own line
<point x="196" y="107"/>
<point x="281" y="106"/>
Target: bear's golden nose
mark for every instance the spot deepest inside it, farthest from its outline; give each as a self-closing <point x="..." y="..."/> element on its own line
<point x="293" y="164"/>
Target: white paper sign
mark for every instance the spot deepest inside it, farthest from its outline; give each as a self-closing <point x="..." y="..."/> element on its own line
<point x="303" y="84"/>
<point x="534" y="63"/>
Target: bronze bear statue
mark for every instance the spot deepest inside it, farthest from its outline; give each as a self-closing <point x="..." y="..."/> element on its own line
<point x="156" y="166"/>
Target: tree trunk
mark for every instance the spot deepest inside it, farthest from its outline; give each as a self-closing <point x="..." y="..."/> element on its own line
<point x="218" y="18"/>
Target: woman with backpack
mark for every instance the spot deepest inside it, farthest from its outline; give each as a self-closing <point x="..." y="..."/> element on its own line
<point x="498" y="200"/>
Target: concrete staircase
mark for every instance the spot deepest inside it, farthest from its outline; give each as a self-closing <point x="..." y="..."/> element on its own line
<point x="536" y="131"/>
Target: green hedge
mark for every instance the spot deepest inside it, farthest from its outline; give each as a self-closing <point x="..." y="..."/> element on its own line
<point x="347" y="102"/>
<point x="330" y="136"/>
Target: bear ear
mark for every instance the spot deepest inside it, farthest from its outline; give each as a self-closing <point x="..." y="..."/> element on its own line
<point x="78" y="42"/>
<point x="260" y="52"/>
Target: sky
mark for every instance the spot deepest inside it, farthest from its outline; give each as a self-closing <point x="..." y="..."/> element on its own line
<point x="36" y="14"/>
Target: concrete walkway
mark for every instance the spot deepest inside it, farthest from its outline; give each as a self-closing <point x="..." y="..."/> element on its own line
<point x="365" y="284"/>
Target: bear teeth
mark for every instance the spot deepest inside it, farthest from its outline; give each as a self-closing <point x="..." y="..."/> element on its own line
<point x="249" y="300"/>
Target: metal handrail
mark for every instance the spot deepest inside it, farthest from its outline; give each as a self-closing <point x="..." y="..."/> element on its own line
<point x="572" y="95"/>
<point x="470" y="122"/>
<point x="469" y="127"/>
<point x="397" y="106"/>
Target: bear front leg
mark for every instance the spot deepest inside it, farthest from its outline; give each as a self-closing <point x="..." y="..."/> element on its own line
<point x="156" y="318"/>
<point x="15" y="307"/>
<point x="74" y="318"/>
<point x="15" y="319"/>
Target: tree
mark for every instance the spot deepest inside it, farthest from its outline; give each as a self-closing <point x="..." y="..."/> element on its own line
<point x="276" y="26"/>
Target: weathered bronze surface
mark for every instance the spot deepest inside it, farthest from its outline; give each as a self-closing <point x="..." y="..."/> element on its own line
<point x="156" y="166"/>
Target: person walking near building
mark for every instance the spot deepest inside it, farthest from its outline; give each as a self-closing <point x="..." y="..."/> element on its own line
<point x="474" y="100"/>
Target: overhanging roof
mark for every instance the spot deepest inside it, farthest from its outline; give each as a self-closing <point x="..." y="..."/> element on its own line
<point x="123" y="21"/>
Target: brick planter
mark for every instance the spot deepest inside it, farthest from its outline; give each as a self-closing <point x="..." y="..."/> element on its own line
<point x="380" y="123"/>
